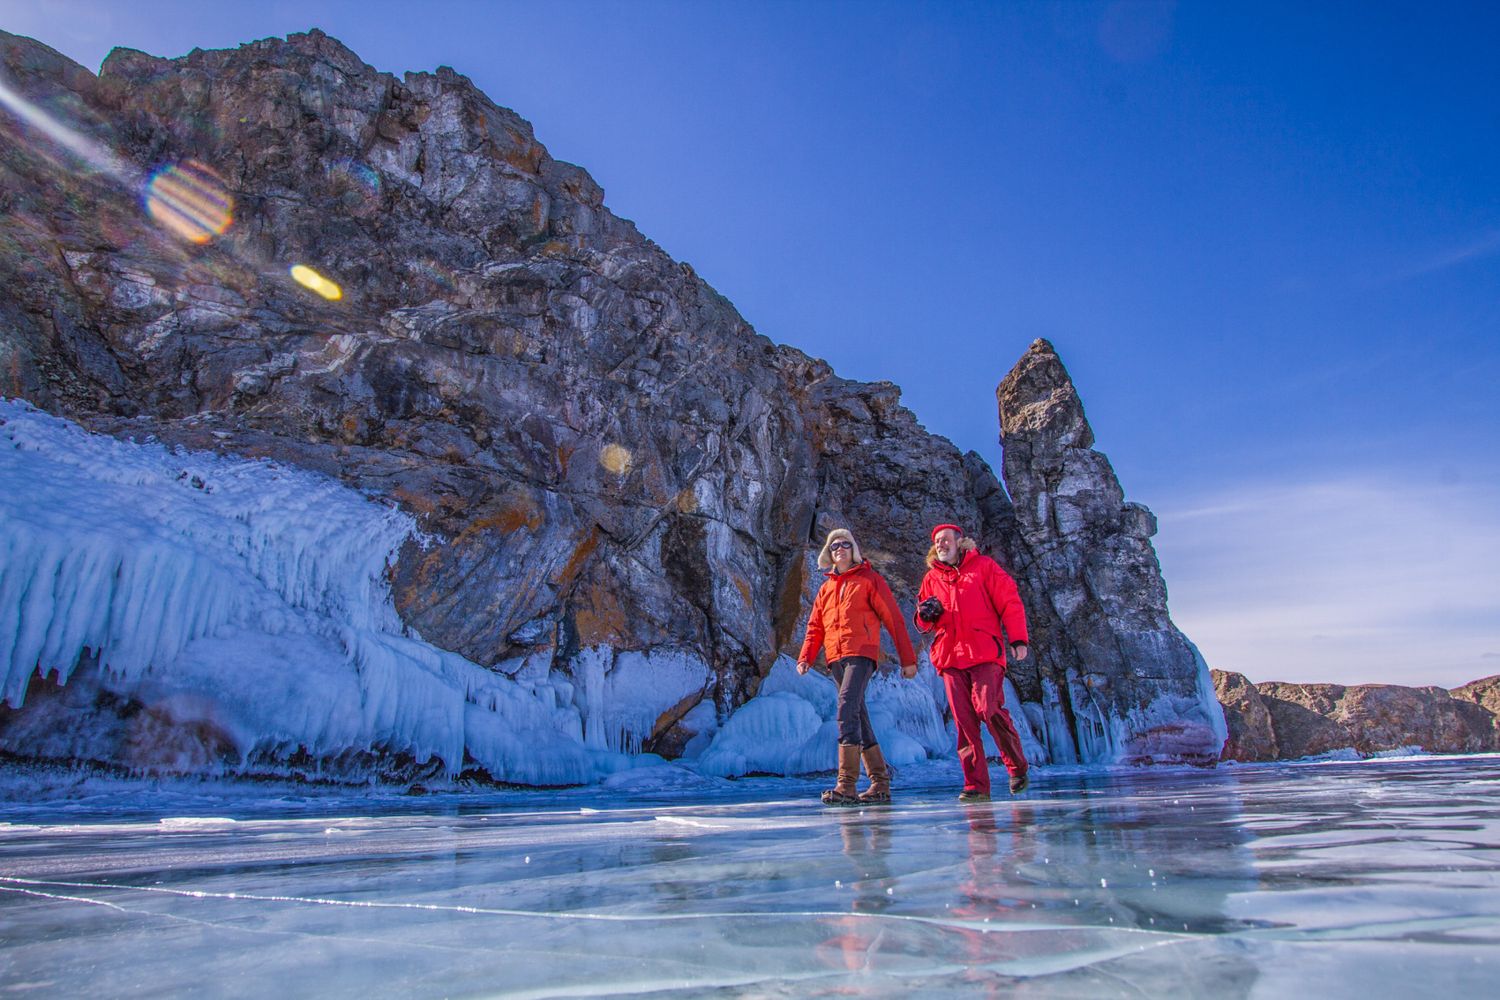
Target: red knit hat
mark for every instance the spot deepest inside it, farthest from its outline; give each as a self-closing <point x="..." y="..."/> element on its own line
<point x="942" y="526"/>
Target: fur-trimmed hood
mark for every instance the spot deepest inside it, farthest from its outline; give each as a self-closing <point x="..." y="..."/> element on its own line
<point x="964" y="545"/>
<point x="825" y="559"/>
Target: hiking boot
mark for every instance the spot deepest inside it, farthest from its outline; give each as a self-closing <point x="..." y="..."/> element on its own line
<point x="879" y="792"/>
<point x="1020" y="782"/>
<point x="842" y="792"/>
<point x="969" y="795"/>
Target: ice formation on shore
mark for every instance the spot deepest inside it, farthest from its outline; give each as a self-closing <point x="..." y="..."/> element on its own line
<point x="251" y="598"/>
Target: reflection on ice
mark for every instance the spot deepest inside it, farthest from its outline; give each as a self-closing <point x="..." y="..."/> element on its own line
<point x="1340" y="879"/>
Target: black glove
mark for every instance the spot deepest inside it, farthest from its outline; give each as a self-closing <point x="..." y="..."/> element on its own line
<point x="930" y="610"/>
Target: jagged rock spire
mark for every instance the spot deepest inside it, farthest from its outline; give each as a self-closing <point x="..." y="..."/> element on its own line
<point x="1128" y="682"/>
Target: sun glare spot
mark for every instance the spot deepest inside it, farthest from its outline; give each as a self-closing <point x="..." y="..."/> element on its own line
<point x="616" y="459"/>
<point x="190" y="201"/>
<point x="308" y="278"/>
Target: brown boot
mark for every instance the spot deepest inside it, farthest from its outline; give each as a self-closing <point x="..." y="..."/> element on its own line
<point x="842" y="793"/>
<point x="879" y="792"/>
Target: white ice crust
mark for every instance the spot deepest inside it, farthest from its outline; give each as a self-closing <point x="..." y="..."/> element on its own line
<point x="252" y="597"/>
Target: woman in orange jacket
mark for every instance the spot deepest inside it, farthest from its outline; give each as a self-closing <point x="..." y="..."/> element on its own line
<point x="845" y="622"/>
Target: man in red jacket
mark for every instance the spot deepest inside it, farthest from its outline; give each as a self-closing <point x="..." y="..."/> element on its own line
<point x="973" y="606"/>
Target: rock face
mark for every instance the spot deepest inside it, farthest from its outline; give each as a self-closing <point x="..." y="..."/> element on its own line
<point x="585" y="425"/>
<point x="1278" y="721"/>
<point x="1129" y="683"/>
<point x="1484" y="693"/>
<point x="603" y="456"/>
<point x="1252" y="735"/>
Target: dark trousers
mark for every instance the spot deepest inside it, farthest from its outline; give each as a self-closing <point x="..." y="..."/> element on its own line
<point x="852" y="674"/>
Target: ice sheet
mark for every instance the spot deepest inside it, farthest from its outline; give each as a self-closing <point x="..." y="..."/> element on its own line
<point x="1334" y="879"/>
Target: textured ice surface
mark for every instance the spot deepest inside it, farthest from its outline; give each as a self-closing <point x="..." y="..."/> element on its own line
<point x="789" y="726"/>
<point x="1353" y="880"/>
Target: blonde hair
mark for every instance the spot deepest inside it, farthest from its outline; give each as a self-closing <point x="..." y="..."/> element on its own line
<point x="825" y="558"/>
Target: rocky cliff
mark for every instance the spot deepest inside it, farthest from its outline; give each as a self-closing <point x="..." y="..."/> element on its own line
<point x="1129" y="684"/>
<point x="1278" y="721"/>
<point x="391" y="282"/>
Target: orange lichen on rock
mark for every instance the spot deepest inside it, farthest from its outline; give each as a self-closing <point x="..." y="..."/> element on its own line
<point x="673" y="715"/>
<point x="421" y="503"/>
<point x="579" y="557"/>
<point x="600" y="618"/>
<point x="789" y="607"/>
<point x="509" y="519"/>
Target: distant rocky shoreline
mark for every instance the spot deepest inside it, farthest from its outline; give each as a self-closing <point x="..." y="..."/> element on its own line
<point x="1274" y="720"/>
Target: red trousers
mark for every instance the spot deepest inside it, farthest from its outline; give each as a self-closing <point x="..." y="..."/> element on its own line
<point x="977" y="695"/>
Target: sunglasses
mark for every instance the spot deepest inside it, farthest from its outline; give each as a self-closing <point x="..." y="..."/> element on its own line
<point x="840" y="545"/>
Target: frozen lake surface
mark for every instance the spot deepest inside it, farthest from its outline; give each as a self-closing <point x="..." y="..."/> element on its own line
<point x="1367" y="879"/>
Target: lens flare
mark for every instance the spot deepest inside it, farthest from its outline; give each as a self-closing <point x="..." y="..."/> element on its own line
<point x="190" y="201"/>
<point x="90" y="152"/>
<point x="308" y="278"/>
<point x="616" y="459"/>
<point x="357" y="187"/>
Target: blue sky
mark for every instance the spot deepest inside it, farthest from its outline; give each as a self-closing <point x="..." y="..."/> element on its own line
<point x="1265" y="239"/>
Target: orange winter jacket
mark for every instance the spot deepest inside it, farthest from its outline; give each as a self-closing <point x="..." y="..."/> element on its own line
<point x="847" y="615"/>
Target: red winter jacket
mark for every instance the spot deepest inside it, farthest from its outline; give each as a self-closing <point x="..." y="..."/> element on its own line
<point x="978" y="598"/>
<point x="847" y="615"/>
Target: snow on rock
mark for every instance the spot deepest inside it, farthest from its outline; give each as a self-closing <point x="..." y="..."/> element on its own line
<point x="656" y="776"/>
<point x="249" y="601"/>
<point x="905" y="709"/>
<point x="703" y="722"/>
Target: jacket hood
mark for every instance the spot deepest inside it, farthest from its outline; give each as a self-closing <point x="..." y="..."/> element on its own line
<point x="964" y="545"/>
<point x="825" y="559"/>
